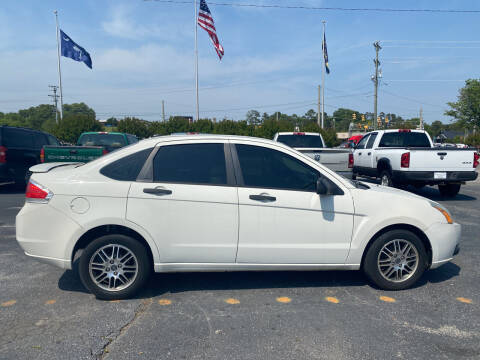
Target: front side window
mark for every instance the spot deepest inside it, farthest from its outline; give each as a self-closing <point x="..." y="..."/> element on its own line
<point x="363" y="142"/>
<point x="191" y="164"/>
<point x="268" y="168"/>
<point x="128" y="167"/>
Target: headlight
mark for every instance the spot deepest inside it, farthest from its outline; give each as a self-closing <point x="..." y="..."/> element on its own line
<point x="444" y="211"/>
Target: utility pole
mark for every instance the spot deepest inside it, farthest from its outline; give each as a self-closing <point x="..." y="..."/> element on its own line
<point x="323" y="73"/>
<point x="319" y="107"/>
<point x="163" y="110"/>
<point x="277" y="116"/>
<point x="421" y="118"/>
<point x="55" y="100"/>
<point x="377" y="47"/>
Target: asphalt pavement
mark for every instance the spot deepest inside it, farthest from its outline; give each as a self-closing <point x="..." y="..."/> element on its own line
<point x="45" y="312"/>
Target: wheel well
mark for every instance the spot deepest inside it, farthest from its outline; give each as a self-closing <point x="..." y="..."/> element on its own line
<point x="411" y="228"/>
<point x="383" y="164"/>
<point x="95" y="233"/>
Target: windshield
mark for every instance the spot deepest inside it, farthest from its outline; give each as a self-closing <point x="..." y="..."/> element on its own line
<point x="301" y="141"/>
<point x="109" y="141"/>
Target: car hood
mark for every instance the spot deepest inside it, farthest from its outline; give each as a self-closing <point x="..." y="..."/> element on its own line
<point x="379" y="189"/>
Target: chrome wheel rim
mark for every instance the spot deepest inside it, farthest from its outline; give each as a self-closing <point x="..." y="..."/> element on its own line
<point x="113" y="267"/>
<point x="398" y="260"/>
<point x="384" y="180"/>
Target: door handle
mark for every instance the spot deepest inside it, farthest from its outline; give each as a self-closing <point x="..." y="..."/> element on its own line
<point x="359" y="153"/>
<point x="157" y="191"/>
<point x="263" y="197"/>
<point x="369" y="154"/>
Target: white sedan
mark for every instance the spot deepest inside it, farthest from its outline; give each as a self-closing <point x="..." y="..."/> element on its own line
<point x="224" y="203"/>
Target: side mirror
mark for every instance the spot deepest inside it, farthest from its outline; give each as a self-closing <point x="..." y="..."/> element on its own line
<point x="327" y="187"/>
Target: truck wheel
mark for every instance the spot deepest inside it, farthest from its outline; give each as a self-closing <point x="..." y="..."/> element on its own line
<point x="354" y="176"/>
<point x="449" y="190"/>
<point x="114" y="267"/>
<point x="395" y="260"/>
<point x="386" y="178"/>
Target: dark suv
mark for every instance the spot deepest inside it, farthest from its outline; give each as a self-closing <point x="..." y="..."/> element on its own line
<point x="19" y="150"/>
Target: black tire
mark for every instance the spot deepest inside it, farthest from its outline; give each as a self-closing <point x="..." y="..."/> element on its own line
<point x="449" y="190"/>
<point x="144" y="267"/>
<point x="386" y="178"/>
<point x="372" y="269"/>
<point x="354" y="176"/>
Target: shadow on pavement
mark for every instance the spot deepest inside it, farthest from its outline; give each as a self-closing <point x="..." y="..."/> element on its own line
<point x="184" y="282"/>
<point x="11" y="189"/>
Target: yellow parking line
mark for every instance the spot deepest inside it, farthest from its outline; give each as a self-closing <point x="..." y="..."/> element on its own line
<point x="284" y="299"/>
<point x="50" y="302"/>
<point x="332" y="299"/>
<point x="9" y="303"/>
<point x="114" y="301"/>
<point x="387" y="299"/>
<point x="164" y="302"/>
<point x="232" y="301"/>
<point x="465" y="300"/>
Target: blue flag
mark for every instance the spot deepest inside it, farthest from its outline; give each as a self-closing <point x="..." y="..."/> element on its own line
<point x="325" y="53"/>
<point x="74" y="51"/>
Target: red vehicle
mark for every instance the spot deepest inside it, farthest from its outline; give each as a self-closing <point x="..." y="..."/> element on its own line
<point x="352" y="141"/>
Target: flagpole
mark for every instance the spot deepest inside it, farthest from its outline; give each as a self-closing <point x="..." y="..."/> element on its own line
<point x="323" y="73"/>
<point x="196" y="60"/>
<point x="59" y="69"/>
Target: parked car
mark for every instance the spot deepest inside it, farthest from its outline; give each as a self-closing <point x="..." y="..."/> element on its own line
<point x="404" y="156"/>
<point x="90" y="146"/>
<point x="19" y="150"/>
<point x="312" y="145"/>
<point x="224" y="203"/>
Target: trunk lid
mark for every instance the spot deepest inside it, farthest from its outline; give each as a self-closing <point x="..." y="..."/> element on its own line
<point x="440" y="159"/>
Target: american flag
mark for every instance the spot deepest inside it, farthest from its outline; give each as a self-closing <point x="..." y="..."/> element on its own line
<point x="205" y="21"/>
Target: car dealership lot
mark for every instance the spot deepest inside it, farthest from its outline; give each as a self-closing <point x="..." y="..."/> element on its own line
<point x="46" y="313"/>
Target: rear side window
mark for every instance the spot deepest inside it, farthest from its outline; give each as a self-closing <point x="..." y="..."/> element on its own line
<point x="404" y="139"/>
<point x="128" y="167"/>
<point x="191" y="164"/>
<point x="272" y="169"/>
<point x="52" y="140"/>
<point x="39" y="140"/>
<point x="17" y="138"/>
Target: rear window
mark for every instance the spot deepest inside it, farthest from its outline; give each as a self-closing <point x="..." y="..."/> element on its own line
<point x="301" y="141"/>
<point x="128" y="167"/>
<point x="404" y="139"/>
<point x="132" y="139"/>
<point x="17" y="138"/>
<point x="109" y="141"/>
<point x="40" y="140"/>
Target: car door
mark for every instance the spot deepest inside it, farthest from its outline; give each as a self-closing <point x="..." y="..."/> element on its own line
<point x="188" y="203"/>
<point x="282" y="218"/>
<point x="368" y="161"/>
<point x="359" y="155"/>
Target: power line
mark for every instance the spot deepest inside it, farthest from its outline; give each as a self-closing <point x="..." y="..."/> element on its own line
<point x="276" y="6"/>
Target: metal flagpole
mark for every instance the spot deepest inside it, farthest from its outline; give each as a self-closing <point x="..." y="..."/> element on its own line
<point x="196" y="61"/>
<point x="59" y="69"/>
<point x="323" y="74"/>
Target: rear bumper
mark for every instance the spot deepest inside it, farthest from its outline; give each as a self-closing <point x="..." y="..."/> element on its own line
<point x="445" y="241"/>
<point x="428" y="176"/>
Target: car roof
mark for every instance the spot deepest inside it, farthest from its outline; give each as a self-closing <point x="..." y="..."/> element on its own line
<point x="25" y="128"/>
<point x="298" y="133"/>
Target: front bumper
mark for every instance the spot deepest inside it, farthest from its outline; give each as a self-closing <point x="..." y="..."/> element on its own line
<point x="428" y="176"/>
<point x="445" y="241"/>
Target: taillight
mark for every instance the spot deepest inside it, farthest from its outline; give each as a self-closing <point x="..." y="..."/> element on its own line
<point x="104" y="152"/>
<point x="476" y="159"/>
<point x="42" y="155"/>
<point x="298" y="133"/>
<point x="350" y="160"/>
<point x="405" y="160"/>
<point x="3" y="154"/>
<point x="404" y="130"/>
<point x="37" y="193"/>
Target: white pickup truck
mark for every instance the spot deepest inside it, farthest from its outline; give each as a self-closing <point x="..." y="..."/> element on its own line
<point x="400" y="157"/>
<point x="312" y="145"/>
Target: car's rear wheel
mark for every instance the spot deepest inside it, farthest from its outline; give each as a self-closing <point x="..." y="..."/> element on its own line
<point x="395" y="260"/>
<point x="449" y="190"/>
<point x="114" y="267"/>
<point x="386" y="178"/>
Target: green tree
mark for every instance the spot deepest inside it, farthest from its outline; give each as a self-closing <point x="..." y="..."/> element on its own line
<point x="132" y="125"/>
<point x="467" y="108"/>
<point x="70" y="128"/>
<point x="253" y="117"/>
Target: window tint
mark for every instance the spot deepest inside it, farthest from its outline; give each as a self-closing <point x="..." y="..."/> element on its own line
<point x="52" y="140"/>
<point x="128" y="167"/>
<point x="267" y="168"/>
<point x="132" y="139"/>
<point x="301" y="141"/>
<point x="371" y="140"/>
<point x="361" y="144"/>
<point x="17" y="138"/>
<point x="39" y="140"/>
<point x="191" y="164"/>
<point x="404" y="139"/>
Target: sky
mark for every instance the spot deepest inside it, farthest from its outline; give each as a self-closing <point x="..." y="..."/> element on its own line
<point x="143" y="53"/>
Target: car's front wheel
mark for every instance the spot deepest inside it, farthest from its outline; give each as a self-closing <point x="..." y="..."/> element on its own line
<point x="395" y="260"/>
<point x="114" y="267"/>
